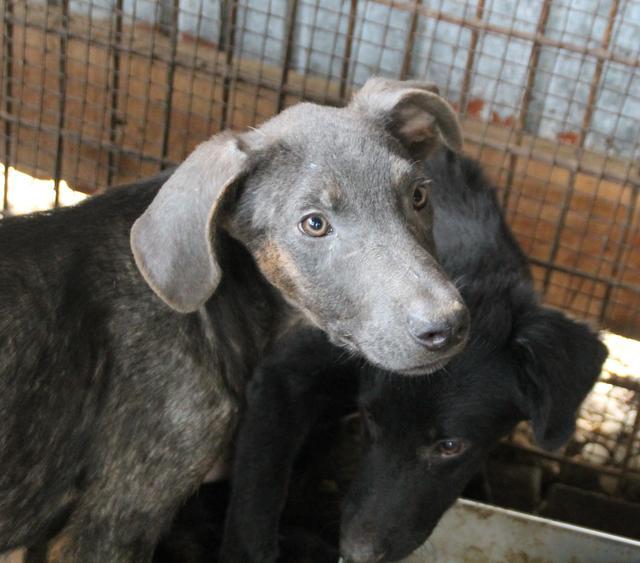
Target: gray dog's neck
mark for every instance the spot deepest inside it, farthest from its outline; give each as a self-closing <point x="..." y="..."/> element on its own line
<point x="241" y="319"/>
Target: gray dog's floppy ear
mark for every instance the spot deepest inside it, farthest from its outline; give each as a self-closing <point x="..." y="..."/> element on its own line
<point x="411" y="111"/>
<point x="560" y="361"/>
<point x="172" y="241"/>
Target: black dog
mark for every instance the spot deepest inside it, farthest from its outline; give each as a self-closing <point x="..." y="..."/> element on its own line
<point x="427" y="435"/>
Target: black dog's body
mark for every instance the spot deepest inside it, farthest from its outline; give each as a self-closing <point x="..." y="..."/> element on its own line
<point x="522" y="361"/>
<point x="100" y="368"/>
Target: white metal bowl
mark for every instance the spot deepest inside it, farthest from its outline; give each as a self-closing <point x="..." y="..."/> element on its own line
<point x="472" y="532"/>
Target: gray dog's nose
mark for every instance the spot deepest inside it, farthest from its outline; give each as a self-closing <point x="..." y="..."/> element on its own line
<point x="438" y="332"/>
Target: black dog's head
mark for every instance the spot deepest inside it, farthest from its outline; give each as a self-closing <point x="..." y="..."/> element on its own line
<point x="429" y="436"/>
<point x="424" y="450"/>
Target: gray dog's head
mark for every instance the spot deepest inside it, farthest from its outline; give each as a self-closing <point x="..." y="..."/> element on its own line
<point x="333" y="205"/>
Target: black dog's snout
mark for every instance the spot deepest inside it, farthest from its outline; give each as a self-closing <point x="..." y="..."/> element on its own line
<point x="361" y="552"/>
<point x="439" y="332"/>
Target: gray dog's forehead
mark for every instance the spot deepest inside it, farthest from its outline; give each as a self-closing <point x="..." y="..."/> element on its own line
<point x="338" y="142"/>
<point x="306" y="119"/>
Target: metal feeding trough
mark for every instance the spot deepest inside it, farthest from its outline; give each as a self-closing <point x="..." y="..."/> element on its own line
<point x="472" y="532"/>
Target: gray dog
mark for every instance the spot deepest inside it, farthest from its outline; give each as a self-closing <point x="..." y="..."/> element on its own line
<point x="130" y="324"/>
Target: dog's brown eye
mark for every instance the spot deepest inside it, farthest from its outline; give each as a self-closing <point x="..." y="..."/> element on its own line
<point x="315" y="226"/>
<point x="450" y="447"/>
<point x="420" y="196"/>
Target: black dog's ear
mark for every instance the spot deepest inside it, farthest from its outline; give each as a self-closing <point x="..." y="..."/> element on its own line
<point x="560" y="360"/>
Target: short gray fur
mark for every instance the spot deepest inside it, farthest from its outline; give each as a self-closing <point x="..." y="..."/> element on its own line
<point x="122" y="373"/>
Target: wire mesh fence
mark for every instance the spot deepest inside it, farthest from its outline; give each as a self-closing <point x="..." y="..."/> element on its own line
<point x="99" y="92"/>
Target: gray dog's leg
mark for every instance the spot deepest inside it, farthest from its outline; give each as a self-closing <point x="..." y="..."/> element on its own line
<point x="130" y="498"/>
<point x="115" y="530"/>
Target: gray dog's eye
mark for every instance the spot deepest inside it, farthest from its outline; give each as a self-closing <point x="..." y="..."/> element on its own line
<point x="420" y="196"/>
<point x="315" y="225"/>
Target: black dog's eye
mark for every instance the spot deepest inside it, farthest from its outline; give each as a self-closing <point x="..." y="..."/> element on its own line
<point x="450" y="447"/>
<point x="420" y="195"/>
<point x="315" y="225"/>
